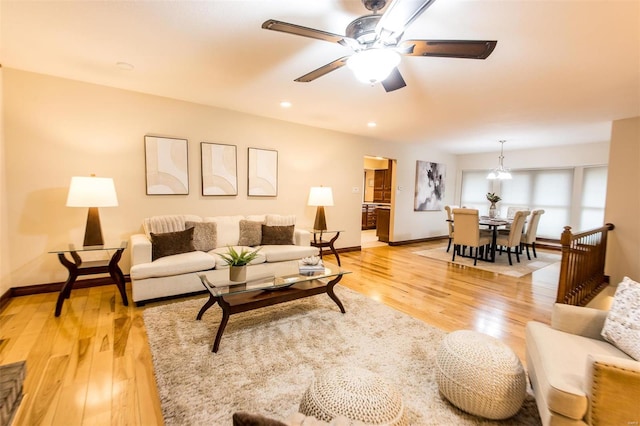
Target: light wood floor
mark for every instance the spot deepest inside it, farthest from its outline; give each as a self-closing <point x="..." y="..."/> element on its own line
<point x="92" y="365"/>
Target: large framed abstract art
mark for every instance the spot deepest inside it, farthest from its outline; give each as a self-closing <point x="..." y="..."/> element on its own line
<point x="430" y="185"/>
<point x="219" y="169"/>
<point x="167" y="166"/>
<point x="263" y="173"/>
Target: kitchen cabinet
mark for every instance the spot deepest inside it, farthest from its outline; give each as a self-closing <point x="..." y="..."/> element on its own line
<point x="382" y="185"/>
<point x="383" y="216"/>
<point x="368" y="216"/>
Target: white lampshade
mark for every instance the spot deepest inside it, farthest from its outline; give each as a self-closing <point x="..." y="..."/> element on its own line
<point x="92" y="192"/>
<point x="320" y="196"/>
<point x="373" y="65"/>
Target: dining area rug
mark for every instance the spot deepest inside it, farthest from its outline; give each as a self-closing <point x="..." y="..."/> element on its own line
<point x="269" y="357"/>
<point x="501" y="265"/>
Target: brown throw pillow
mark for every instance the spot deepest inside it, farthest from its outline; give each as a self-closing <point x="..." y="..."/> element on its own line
<point x="204" y="235"/>
<point x="250" y="233"/>
<point x="246" y="419"/>
<point x="170" y="243"/>
<point x="277" y="235"/>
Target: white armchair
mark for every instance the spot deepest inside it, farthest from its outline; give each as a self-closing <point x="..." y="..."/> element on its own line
<point x="578" y="378"/>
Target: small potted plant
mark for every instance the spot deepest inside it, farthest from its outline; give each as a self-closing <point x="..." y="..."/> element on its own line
<point x="238" y="262"/>
<point x="493" y="199"/>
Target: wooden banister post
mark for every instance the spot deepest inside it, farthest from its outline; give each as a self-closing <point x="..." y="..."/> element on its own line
<point x="565" y="240"/>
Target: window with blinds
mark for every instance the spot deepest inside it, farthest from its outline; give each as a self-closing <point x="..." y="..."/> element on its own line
<point x="549" y="189"/>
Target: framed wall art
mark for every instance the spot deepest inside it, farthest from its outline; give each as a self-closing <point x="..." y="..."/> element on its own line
<point x="430" y="184"/>
<point x="219" y="169"/>
<point x="263" y="173"/>
<point x="166" y="161"/>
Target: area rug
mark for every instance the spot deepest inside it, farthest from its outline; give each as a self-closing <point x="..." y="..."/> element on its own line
<point x="268" y="358"/>
<point x="501" y="265"/>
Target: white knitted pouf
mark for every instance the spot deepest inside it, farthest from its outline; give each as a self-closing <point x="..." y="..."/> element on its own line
<point x="356" y="394"/>
<point x="480" y="375"/>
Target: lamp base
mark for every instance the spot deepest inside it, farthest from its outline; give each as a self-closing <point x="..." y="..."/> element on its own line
<point x="93" y="230"/>
<point x="321" y="222"/>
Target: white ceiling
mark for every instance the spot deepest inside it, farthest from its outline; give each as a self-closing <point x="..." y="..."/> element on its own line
<point x="561" y="72"/>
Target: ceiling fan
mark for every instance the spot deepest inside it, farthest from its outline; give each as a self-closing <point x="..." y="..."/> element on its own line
<point x="376" y="40"/>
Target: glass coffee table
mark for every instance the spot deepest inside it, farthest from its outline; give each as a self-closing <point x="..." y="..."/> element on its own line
<point x="284" y="282"/>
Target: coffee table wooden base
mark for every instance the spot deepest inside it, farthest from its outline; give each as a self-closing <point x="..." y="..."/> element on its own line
<point x="243" y="302"/>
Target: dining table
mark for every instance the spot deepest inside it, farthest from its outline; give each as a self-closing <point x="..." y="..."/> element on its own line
<point x="493" y="224"/>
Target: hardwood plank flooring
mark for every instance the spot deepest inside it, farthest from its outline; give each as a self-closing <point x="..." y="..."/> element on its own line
<point x="92" y="365"/>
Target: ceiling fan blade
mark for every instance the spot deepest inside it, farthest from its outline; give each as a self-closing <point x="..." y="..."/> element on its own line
<point x="394" y="81"/>
<point x="469" y="49"/>
<point x="285" y="27"/>
<point x="398" y="16"/>
<point x="325" y="69"/>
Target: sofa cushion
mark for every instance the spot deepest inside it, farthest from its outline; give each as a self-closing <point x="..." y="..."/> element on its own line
<point x="280" y="220"/>
<point x="167" y="223"/>
<point x="204" y="235"/>
<point x="247" y="419"/>
<point x="250" y="233"/>
<point x="277" y="234"/>
<point x="280" y="253"/>
<point x="177" y="264"/>
<point x="221" y="263"/>
<point x="256" y="218"/>
<point x="170" y="243"/>
<point x="228" y="229"/>
<point x="622" y="326"/>
<point x="560" y="362"/>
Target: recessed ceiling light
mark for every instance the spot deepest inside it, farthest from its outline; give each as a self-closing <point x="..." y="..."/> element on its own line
<point x="372" y="124"/>
<point x="124" y="66"/>
<point x="285" y="104"/>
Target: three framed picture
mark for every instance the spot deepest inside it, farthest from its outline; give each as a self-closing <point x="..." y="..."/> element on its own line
<point x="167" y="168"/>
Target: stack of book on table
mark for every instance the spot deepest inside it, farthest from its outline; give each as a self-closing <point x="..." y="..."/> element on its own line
<point x="309" y="269"/>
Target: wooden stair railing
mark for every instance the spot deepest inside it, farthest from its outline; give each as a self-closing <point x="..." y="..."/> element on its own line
<point x="582" y="267"/>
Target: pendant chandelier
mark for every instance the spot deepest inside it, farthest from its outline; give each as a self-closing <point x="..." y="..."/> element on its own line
<point x="500" y="172"/>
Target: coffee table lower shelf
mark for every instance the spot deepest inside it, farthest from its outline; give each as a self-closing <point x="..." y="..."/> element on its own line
<point x="249" y="301"/>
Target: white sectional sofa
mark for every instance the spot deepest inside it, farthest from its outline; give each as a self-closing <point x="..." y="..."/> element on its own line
<point x="184" y="245"/>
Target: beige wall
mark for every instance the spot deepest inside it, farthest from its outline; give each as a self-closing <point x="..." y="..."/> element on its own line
<point x="57" y="128"/>
<point x="623" y="201"/>
<point x="408" y="224"/>
<point x="5" y="275"/>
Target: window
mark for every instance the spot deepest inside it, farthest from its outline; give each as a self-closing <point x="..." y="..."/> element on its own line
<point x="549" y="189"/>
<point x="474" y="190"/>
<point x="594" y="193"/>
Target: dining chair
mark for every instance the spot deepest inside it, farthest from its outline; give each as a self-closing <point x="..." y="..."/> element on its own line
<point x="529" y="236"/>
<point x="511" y="211"/>
<point x="467" y="233"/>
<point x="512" y="239"/>
<point x="449" y="209"/>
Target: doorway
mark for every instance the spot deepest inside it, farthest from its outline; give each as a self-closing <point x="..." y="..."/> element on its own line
<point x="377" y="201"/>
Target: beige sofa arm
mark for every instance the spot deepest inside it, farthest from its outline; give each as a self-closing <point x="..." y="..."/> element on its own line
<point x="613" y="387"/>
<point x="587" y="322"/>
<point x="301" y="237"/>
<point x="140" y="249"/>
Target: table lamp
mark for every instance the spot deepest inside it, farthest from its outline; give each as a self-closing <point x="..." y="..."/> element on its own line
<point x="320" y="196"/>
<point x="92" y="192"/>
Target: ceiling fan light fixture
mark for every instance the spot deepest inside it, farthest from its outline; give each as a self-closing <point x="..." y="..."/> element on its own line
<point x="373" y="65"/>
